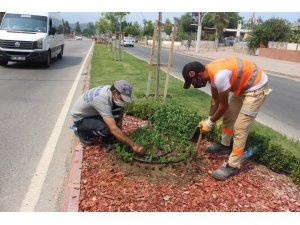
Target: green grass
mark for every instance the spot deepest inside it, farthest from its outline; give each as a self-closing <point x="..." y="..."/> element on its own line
<point x="105" y="70"/>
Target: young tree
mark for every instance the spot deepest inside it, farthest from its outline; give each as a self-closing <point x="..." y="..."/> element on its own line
<point x="103" y="25"/>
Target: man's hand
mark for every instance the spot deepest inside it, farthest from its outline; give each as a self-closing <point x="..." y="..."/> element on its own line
<point x="206" y="126"/>
<point x="138" y="149"/>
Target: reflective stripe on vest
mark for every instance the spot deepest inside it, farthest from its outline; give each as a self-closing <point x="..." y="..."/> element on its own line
<point x="245" y="74"/>
<point x="253" y="76"/>
<point x="239" y="75"/>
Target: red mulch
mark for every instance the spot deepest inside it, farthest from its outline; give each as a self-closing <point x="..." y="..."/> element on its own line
<point x="109" y="184"/>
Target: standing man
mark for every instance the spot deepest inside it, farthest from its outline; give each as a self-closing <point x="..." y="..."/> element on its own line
<point x="249" y="85"/>
<point x="98" y="113"/>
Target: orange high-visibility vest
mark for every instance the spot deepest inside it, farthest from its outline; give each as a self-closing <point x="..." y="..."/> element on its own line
<point x="245" y="74"/>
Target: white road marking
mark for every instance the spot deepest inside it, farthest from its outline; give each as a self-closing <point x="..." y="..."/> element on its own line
<point x="34" y="190"/>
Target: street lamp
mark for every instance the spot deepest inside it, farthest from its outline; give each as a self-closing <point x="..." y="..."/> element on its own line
<point x="199" y="30"/>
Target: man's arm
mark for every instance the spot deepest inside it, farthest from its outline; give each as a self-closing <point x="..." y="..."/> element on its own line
<point x="222" y="106"/>
<point x="214" y="101"/>
<point x="121" y="136"/>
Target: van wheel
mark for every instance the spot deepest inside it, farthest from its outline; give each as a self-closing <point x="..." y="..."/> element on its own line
<point x="48" y="60"/>
<point x="60" y="55"/>
<point x="3" y="63"/>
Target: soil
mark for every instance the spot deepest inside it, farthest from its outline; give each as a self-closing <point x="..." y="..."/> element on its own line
<point x="109" y="184"/>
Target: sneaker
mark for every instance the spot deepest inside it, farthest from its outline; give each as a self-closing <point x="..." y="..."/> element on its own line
<point x="218" y="148"/>
<point x="108" y="141"/>
<point x="85" y="141"/>
<point x="224" y="172"/>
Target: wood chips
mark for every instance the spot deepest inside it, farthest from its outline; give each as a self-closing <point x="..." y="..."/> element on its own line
<point x="109" y="184"/>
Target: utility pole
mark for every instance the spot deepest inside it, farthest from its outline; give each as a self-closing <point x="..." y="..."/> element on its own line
<point x="158" y="53"/>
<point x="199" y="30"/>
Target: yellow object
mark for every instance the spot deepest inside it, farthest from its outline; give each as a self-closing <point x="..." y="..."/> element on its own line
<point x="204" y="127"/>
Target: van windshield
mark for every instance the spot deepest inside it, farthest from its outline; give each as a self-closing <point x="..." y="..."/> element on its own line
<point x="24" y="22"/>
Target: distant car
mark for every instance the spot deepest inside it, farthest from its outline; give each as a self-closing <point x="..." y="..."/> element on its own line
<point x="128" y="41"/>
<point x="78" y="37"/>
<point x="229" y="41"/>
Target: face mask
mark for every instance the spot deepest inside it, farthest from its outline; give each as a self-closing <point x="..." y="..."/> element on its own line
<point x="200" y="83"/>
<point x="118" y="102"/>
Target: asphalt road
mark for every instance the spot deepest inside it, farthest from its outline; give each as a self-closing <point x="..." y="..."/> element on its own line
<point x="281" y="109"/>
<point x="32" y="98"/>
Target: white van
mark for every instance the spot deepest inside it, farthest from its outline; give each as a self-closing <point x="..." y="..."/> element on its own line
<point x="28" y="37"/>
<point x="128" y="41"/>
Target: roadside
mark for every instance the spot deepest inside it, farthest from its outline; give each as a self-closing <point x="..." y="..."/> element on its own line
<point x="274" y="67"/>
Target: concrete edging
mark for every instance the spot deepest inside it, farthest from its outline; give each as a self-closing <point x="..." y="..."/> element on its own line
<point x="70" y="202"/>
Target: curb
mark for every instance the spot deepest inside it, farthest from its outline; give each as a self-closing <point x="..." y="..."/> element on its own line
<point x="70" y="202"/>
<point x="72" y="191"/>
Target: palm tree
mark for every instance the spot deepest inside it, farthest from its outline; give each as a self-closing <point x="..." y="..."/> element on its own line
<point x="220" y="21"/>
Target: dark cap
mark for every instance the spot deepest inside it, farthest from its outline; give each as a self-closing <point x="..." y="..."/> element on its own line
<point x="125" y="89"/>
<point x="189" y="71"/>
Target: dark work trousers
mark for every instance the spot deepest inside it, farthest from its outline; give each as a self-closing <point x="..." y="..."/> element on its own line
<point x="93" y="127"/>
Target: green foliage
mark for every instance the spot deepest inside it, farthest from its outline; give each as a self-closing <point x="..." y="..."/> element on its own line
<point x="111" y="21"/>
<point x="274" y="29"/>
<point x="295" y="34"/>
<point x="148" y="27"/>
<point x="176" y="120"/>
<point x="77" y="28"/>
<point x="143" y="108"/>
<point x="67" y="28"/>
<point x="90" y="30"/>
<point x="103" y="25"/>
<point x="168" y="29"/>
<point x="131" y="29"/>
<point x="274" y="156"/>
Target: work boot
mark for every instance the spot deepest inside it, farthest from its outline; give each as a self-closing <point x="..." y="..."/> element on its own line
<point x="85" y="140"/>
<point x="224" y="172"/>
<point x="218" y="148"/>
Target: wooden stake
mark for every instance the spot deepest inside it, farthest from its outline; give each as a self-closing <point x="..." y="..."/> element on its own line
<point x="169" y="62"/>
<point x="151" y="60"/>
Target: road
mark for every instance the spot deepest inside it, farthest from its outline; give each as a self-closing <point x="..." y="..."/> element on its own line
<point x="281" y="109"/>
<point x="32" y="98"/>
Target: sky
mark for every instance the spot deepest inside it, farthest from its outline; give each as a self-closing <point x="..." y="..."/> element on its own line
<point x="85" y="17"/>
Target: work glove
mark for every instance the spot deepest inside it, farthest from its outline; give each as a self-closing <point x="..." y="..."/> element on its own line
<point x="206" y="126"/>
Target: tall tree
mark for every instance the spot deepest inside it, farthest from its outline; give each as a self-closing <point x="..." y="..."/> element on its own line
<point x="90" y="30"/>
<point x="274" y="29"/>
<point x="220" y="21"/>
<point x="168" y="29"/>
<point x="67" y="27"/>
<point x="148" y="28"/>
<point x="185" y="29"/>
<point x="77" y="28"/>
<point x="114" y="19"/>
<point x="132" y="29"/>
